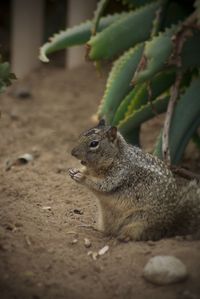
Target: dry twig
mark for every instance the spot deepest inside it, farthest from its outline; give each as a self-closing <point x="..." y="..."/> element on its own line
<point x="168" y="118"/>
<point x="187" y="174"/>
<point x="178" y="40"/>
<point x="149" y="91"/>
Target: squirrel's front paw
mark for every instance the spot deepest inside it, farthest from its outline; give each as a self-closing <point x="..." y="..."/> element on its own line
<point x="76" y="175"/>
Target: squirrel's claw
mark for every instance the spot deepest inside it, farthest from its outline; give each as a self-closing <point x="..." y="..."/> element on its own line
<point x="76" y="175"/>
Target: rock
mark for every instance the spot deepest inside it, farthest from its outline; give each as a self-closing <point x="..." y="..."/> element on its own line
<point x="21" y="160"/>
<point x="78" y="212"/>
<point x="8" y="165"/>
<point x="87" y="243"/>
<point x="46" y="208"/>
<point x="103" y="250"/>
<point x="93" y="254"/>
<point x="24" y="159"/>
<point x="164" y="270"/>
<point x="74" y="241"/>
<point x="22" y="92"/>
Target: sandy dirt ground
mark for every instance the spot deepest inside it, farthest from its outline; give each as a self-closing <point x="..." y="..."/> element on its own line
<point x="43" y="212"/>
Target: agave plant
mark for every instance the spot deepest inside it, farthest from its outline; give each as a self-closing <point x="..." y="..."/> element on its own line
<point x="5" y="75"/>
<point x="156" y="46"/>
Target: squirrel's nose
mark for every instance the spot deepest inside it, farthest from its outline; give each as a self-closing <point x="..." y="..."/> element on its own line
<point x="74" y="153"/>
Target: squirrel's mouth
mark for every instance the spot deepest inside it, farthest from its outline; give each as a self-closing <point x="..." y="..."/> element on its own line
<point x="83" y="162"/>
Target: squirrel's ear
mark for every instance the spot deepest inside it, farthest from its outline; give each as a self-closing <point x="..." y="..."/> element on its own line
<point x="112" y="133"/>
<point x="101" y="123"/>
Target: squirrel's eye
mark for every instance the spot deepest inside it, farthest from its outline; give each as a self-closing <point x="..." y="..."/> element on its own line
<point x="94" y="144"/>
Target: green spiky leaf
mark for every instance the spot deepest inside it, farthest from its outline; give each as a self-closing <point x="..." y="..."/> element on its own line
<point x="123" y="34"/>
<point x="77" y="35"/>
<point x="101" y="5"/>
<point x="144" y="113"/>
<point x="133" y="136"/>
<point x="159" y="50"/>
<point x="156" y="53"/>
<point x="118" y="83"/>
<point x="5" y="75"/>
<point x="152" y="89"/>
<point x="123" y="107"/>
<point x="143" y="93"/>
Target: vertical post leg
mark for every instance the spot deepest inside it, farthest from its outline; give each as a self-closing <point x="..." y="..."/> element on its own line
<point x="78" y="11"/>
<point x="27" y="33"/>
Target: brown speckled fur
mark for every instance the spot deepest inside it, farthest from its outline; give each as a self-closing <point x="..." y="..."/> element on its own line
<point x="137" y="194"/>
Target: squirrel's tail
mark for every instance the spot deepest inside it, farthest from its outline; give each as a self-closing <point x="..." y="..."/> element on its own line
<point x="189" y="203"/>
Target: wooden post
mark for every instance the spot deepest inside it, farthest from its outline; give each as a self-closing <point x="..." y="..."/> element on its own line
<point x="78" y="11"/>
<point x="27" y="33"/>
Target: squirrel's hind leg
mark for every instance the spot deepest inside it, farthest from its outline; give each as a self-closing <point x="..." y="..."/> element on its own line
<point x="138" y="231"/>
<point x="133" y="231"/>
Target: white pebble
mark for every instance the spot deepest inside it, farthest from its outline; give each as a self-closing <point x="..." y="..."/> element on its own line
<point x="163" y="270"/>
<point x="87" y="243"/>
<point x="74" y="241"/>
<point x="103" y="250"/>
<point x="25" y="158"/>
<point x="93" y="254"/>
<point x="47" y="208"/>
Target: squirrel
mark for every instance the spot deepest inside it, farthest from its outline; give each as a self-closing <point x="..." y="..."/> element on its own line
<point x="138" y="195"/>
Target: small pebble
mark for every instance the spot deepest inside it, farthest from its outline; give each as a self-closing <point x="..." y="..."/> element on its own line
<point x="46" y="208"/>
<point x="8" y="165"/>
<point x="21" y="160"/>
<point x="164" y="270"/>
<point x="74" y="241"/>
<point x="24" y="159"/>
<point x="78" y="211"/>
<point x="87" y="243"/>
<point x="22" y="92"/>
<point x="103" y="250"/>
<point x="93" y="254"/>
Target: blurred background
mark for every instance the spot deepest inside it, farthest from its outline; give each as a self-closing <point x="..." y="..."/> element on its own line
<point x="45" y="217"/>
<point x="25" y="25"/>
